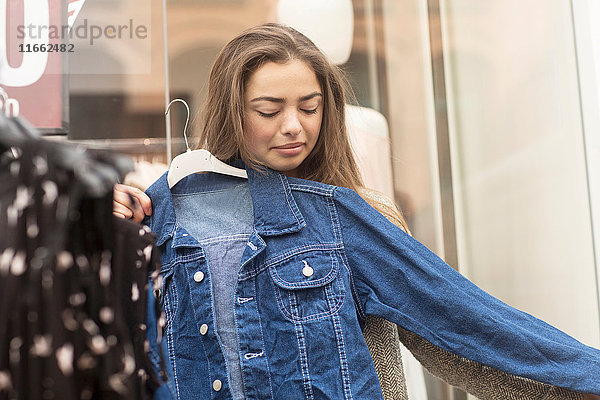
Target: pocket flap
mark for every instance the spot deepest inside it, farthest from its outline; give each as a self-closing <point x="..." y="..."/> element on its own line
<point x="305" y="270"/>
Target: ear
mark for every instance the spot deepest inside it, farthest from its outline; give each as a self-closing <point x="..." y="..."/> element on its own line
<point x="329" y="24"/>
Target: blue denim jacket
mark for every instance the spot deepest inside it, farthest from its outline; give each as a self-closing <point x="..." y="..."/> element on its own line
<point x="318" y="261"/>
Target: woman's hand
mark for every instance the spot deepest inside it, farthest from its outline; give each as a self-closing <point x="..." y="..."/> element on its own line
<point x="131" y="203"/>
<point x="590" y="397"/>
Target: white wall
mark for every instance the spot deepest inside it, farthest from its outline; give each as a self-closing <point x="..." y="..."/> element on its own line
<point x="587" y="33"/>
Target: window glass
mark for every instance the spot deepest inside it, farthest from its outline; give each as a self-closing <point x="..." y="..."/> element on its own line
<point x="523" y="219"/>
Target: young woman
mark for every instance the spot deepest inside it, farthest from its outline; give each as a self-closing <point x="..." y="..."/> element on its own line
<point x="268" y="283"/>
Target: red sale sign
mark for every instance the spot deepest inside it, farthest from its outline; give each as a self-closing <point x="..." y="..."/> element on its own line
<point x="32" y="62"/>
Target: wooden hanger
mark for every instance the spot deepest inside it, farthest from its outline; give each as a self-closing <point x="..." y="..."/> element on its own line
<point x="194" y="161"/>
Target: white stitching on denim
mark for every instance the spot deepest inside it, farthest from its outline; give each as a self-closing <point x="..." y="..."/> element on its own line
<point x="176" y="305"/>
<point x="237" y="338"/>
<point x="299" y="250"/>
<point x="280" y="302"/>
<point x="314" y="283"/>
<point x="170" y="340"/>
<point x="346" y="264"/>
<point x="225" y="238"/>
<point x="242" y="300"/>
<point x="335" y="221"/>
<point x="288" y="194"/>
<point x="261" y="243"/>
<point x="208" y="278"/>
<point x="193" y="256"/>
<point x="327" y="191"/>
<point x="250" y="356"/>
<point x="179" y="258"/>
<point x="357" y="302"/>
<point x="288" y="254"/>
<point x="262" y="339"/>
<point x="315" y="317"/>
<point x="303" y="359"/>
<point x="339" y="336"/>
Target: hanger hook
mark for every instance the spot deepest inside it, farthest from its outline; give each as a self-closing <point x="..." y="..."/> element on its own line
<point x="187" y="120"/>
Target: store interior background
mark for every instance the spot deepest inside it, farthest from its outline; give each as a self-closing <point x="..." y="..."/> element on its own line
<point x="493" y="117"/>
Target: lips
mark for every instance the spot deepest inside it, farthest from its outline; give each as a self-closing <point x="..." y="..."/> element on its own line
<point x="289" y="145"/>
<point x="290" y="149"/>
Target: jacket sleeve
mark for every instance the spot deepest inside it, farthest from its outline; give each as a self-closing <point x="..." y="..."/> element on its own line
<point x="480" y="380"/>
<point x="397" y="278"/>
<point x="383" y="339"/>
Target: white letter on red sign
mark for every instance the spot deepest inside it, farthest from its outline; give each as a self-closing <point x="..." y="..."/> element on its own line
<point x="36" y="14"/>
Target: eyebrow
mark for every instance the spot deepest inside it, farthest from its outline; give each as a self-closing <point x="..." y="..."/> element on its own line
<point x="280" y="100"/>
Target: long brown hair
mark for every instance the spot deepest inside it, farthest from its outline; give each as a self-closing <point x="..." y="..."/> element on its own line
<point x="332" y="159"/>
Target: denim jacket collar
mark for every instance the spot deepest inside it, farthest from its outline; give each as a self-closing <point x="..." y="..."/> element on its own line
<point x="161" y="223"/>
<point x="275" y="210"/>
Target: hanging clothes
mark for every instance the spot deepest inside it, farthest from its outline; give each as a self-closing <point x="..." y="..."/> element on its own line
<point x="76" y="302"/>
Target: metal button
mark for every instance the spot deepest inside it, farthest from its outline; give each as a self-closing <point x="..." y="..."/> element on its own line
<point x="203" y="329"/>
<point x="217" y="385"/>
<point x="307" y="271"/>
<point x="199" y="276"/>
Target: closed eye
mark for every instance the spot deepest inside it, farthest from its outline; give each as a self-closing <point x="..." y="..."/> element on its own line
<point x="267" y="115"/>
<point x="270" y="115"/>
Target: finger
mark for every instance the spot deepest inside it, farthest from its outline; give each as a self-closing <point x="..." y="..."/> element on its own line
<point x="121" y="209"/>
<point x="122" y="194"/>
<point x="136" y="206"/>
<point x="144" y="201"/>
<point x="138" y="213"/>
<point x="146" y="204"/>
<point x="118" y="214"/>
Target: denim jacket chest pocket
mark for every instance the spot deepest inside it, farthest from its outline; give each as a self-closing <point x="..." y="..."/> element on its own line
<point x="308" y="286"/>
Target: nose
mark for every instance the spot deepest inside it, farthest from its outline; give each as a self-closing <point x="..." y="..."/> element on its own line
<point x="291" y="123"/>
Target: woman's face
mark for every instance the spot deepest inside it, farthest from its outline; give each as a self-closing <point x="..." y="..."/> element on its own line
<point x="283" y="113"/>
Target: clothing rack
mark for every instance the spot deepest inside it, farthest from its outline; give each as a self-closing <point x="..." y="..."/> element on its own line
<point x="76" y="284"/>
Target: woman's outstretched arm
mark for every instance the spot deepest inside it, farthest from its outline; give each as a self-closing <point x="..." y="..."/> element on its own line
<point x="397" y="278"/>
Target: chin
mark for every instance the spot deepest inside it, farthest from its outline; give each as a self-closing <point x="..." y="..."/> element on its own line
<point x="284" y="166"/>
<point x="286" y="169"/>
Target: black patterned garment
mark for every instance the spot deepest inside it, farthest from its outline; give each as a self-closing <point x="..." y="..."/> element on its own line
<point x="74" y="280"/>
